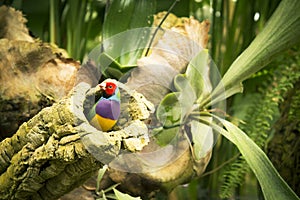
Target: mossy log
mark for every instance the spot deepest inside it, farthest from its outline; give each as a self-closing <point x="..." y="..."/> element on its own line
<point x="33" y="74"/>
<point x="32" y="77"/>
<point x="47" y="156"/>
<point x="58" y="150"/>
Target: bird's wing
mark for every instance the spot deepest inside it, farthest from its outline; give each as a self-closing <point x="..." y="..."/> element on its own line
<point x="109" y="109"/>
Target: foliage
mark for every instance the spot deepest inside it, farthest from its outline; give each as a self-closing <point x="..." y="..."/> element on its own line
<point x="73" y="23"/>
<point x="235" y="25"/>
<point x="280" y="33"/>
<point x="106" y="194"/>
<point x="231" y="34"/>
<point x="273" y="186"/>
<point x="260" y="119"/>
<point x="126" y="15"/>
<point x="252" y="60"/>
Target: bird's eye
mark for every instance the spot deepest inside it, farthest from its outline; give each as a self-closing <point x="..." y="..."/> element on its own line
<point x="109" y="87"/>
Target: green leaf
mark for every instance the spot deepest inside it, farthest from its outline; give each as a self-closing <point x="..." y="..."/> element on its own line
<point x="122" y="196"/>
<point x="181" y="83"/>
<point x="197" y="73"/>
<point x="165" y="136"/>
<point x="101" y="173"/>
<point x="106" y="61"/>
<point x="118" y="18"/>
<point x="281" y="32"/>
<point x="127" y="47"/>
<point x="169" y="111"/>
<point x="203" y="139"/>
<point x="124" y="15"/>
<point x="128" y="14"/>
<point x="225" y="94"/>
<point x="186" y="94"/>
<point x="176" y="106"/>
<point x="272" y="184"/>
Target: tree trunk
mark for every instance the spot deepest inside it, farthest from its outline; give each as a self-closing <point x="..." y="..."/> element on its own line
<point x="45" y="158"/>
<point x="57" y="150"/>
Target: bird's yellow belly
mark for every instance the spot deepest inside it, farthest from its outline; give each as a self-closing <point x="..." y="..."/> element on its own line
<point x="102" y="124"/>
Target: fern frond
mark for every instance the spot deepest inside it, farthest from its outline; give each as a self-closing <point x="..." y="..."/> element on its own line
<point x="284" y="148"/>
<point x="259" y="121"/>
<point x="294" y="114"/>
<point x="233" y="177"/>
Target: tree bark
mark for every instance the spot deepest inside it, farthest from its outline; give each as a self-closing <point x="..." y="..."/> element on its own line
<point x="55" y="151"/>
<point x="33" y="74"/>
<point x="46" y="157"/>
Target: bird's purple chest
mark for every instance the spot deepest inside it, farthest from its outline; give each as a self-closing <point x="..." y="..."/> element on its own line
<point x="108" y="109"/>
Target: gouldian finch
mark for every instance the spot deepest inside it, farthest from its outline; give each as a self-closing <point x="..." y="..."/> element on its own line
<point x="106" y="111"/>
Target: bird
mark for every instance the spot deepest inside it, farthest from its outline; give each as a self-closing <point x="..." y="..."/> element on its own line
<point x="106" y="111"/>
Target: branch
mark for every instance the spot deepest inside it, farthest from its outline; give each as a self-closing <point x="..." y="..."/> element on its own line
<point x="47" y="156"/>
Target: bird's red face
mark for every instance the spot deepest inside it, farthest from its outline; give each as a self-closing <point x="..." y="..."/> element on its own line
<point x="108" y="87"/>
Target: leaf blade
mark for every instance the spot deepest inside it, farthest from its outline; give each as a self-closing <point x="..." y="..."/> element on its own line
<point x="273" y="186"/>
<point x="122" y="196"/>
<point x="127" y="15"/>
<point x="281" y="32"/>
<point x="198" y="74"/>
